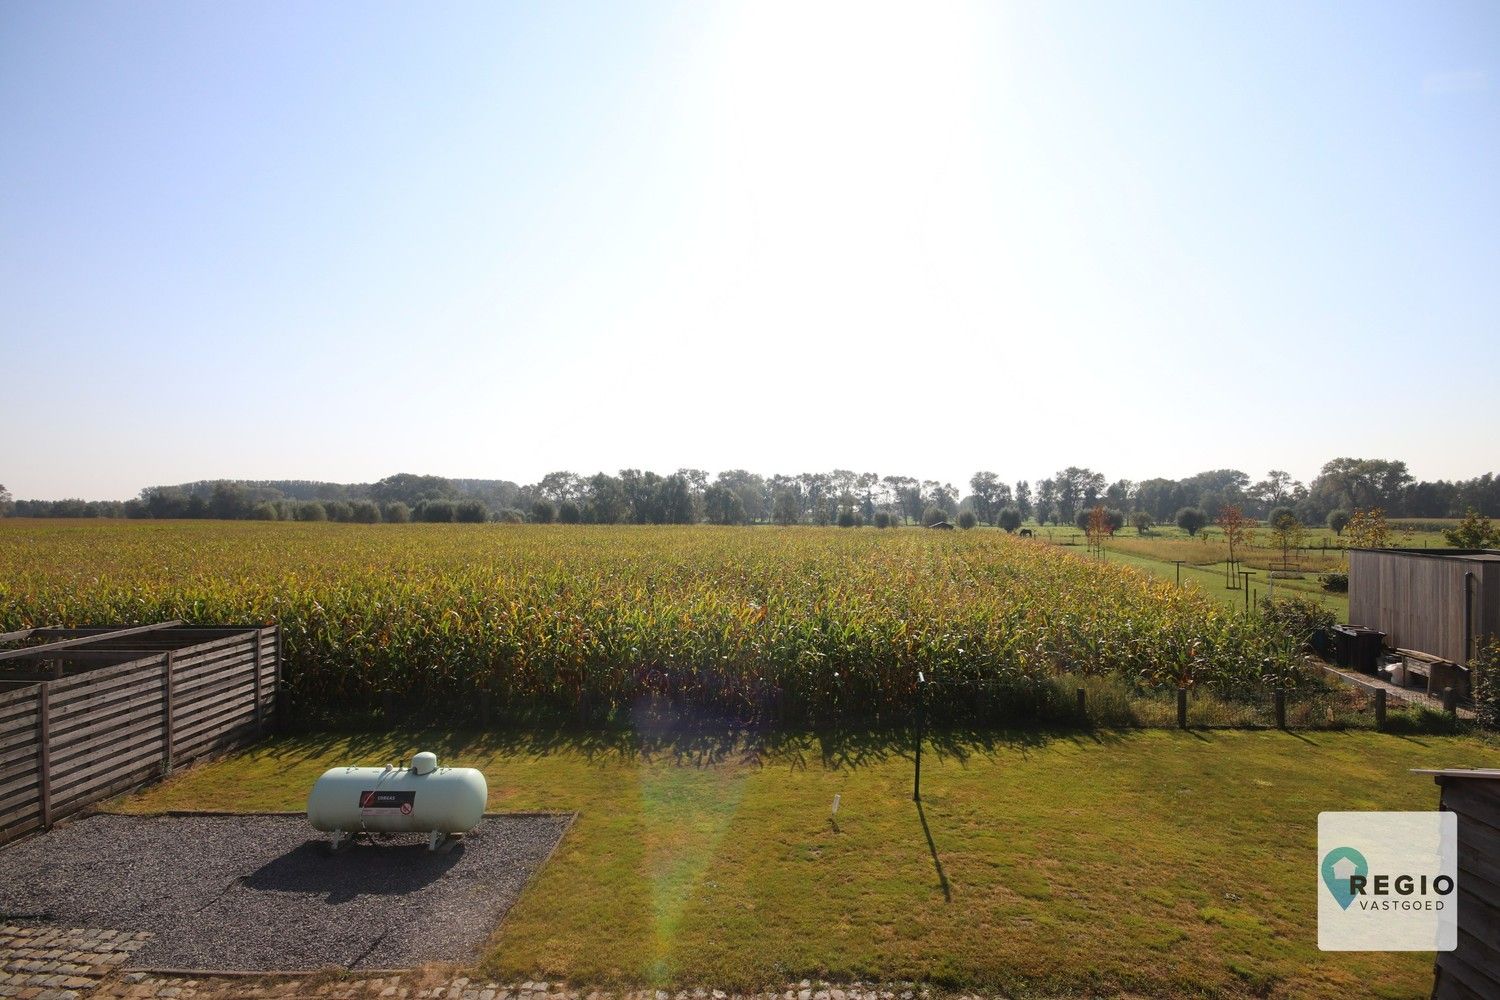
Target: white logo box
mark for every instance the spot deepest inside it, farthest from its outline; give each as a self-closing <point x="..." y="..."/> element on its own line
<point x="1408" y="863"/>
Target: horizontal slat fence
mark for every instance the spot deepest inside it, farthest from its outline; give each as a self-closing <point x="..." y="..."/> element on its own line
<point x="20" y="763"/>
<point x="113" y="715"/>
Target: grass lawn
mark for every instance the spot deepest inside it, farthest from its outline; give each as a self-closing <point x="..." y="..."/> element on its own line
<point x="1210" y="579"/>
<point x="1158" y="553"/>
<point x="1156" y="862"/>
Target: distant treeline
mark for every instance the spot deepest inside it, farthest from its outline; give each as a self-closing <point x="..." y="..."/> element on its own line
<point x="397" y="498"/>
<point x="690" y="496"/>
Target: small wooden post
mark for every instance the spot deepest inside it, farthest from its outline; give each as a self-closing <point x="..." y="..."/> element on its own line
<point x="260" y="724"/>
<point x="43" y="750"/>
<point x="1450" y="700"/>
<point x="916" y="778"/>
<point x="278" y="707"/>
<point x="1380" y="708"/>
<point x="1280" y="708"/>
<point x="166" y="713"/>
<point x="1083" y="711"/>
<point x="1182" y="708"/>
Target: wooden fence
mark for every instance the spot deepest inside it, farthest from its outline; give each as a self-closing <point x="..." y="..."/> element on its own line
<point x="90" y="713"/>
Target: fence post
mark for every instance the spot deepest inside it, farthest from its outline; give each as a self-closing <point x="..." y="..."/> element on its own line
<point x="916" y="780"/>
<point x="277" y="704"/>
<point x="166" y="713"/>
<point x="1450" y="700"/>
<point x="1083" y="710"/>
<point x="1280" y="708"/>
<point x="260" y="725"/>
<point x="44" y="751"/>
<point x="1380" y="708"/>
<point x="1182" y="708"/>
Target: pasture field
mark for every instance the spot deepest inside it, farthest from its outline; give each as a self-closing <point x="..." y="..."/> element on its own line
<point x="1203" y="557"/>
<point x="1149" y="863"/>
<point x="1210" y="579"/>
<point x="1210" y="541"/>
<point x="1203" y="562"/>
<point x="788" y="624"/>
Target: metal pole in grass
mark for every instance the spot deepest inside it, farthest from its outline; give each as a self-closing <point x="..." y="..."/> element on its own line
<point x="1380" y="708"/>
<point x="916" y="781"/>
<point x="1182" y="708"/>
<point x="1179" y="572"/>
<point x="1246" y="574"/>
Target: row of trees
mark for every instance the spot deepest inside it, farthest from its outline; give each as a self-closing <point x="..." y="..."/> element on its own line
<point x="738" y="496"/>
<point x="1342" y="484"/>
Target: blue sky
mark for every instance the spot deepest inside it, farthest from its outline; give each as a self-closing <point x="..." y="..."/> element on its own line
<point x="336" y="241"/>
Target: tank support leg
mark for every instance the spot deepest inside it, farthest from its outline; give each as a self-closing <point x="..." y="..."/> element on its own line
<point x="339" y="839"/>
<point x="436" y="839"/>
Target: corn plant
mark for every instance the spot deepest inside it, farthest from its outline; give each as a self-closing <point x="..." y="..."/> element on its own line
<point x="456" y="621"/>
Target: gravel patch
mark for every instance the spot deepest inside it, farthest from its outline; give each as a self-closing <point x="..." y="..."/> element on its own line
<point x="265" y="892"/>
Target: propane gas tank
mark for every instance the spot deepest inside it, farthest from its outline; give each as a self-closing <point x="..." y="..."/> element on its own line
<point x="423" y="798"/>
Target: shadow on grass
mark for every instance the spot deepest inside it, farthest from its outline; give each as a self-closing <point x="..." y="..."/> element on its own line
<point x="696" y="740"/>
<point x="693" y="741"/>
<point x="936" y="861"/>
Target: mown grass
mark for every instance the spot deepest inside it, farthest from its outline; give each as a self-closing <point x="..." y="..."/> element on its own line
<point x="1160" y="863"/>
<point x="1203" y="561"/>
<point x="1421" y="533"/>
<point x="1210" y="580"/>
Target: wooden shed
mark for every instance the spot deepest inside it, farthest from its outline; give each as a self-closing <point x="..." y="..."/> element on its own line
<point x="1472" y="970"/>
<point x="1438" y="601"/>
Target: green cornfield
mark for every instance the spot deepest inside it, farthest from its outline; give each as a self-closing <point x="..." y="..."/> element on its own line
<point x="454" y="623"/>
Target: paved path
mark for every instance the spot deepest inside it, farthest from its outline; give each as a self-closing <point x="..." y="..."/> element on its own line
<point x="42" y="962"/>
<point x="1394" y="692"/>
<point x="419" y="986"/>
<point x="38" y="961"/>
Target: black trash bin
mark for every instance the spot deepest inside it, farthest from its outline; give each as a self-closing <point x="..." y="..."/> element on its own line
<point x="1357" y="647"/>
<point x="1343" y="645"/>
<point x="1367" y="647"/>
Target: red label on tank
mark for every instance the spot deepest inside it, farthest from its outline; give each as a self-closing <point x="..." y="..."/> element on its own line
<point x="378" y="799"/>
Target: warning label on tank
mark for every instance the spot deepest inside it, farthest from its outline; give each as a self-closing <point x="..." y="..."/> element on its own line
<point x="379" y="801"/>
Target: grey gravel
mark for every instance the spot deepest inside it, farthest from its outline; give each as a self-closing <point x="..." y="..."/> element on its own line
<point x="265" y="893"/>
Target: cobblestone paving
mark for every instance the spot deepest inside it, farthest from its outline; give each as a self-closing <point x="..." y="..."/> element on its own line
<point x="419" y="985"/>
<point x="39" y="962"/>
<point x="60" y="963"/>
